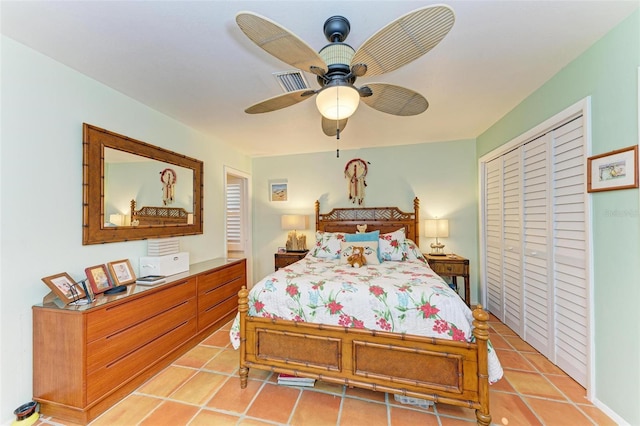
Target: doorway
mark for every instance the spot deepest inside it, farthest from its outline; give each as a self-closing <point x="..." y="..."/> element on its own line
<point x="237" y="214"/>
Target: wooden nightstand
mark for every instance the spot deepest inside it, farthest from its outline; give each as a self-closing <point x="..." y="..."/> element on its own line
<point x="454" y="266"/>
<point x="287" y="258"/>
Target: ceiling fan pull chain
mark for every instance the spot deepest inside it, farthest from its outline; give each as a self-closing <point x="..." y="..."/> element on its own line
<point x="337" y="142"/>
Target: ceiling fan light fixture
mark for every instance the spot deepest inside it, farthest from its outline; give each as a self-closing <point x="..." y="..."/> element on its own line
<point x="337" y="102"/>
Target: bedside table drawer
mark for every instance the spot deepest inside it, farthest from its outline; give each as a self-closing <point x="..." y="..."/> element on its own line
<point x="449" y="268"/>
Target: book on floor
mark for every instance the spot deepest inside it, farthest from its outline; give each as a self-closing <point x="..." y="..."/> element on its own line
<point x="291" y="380"/>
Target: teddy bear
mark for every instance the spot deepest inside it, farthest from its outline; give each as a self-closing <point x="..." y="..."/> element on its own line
<point x="357" y="258"/>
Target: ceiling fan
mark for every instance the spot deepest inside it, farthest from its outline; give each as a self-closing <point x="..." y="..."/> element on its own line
<point x="337" y="65"/>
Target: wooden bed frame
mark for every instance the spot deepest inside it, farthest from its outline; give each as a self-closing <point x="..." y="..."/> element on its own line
<point x="450" y="372"/>
<point x="150" y="215"/>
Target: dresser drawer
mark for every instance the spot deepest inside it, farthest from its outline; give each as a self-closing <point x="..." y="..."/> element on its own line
<point x="212" y="280"/>
<point x="112" y="318"/>
<point x="111" y="348"/>
<point x="449" y="268"/>
<point x="114" y="374"/>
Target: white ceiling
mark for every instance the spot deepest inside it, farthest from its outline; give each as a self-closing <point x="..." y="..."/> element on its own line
<point x="189" y="60"/>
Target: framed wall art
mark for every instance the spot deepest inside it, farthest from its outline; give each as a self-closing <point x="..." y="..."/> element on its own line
<point x="122" y="272"/>
<point x="278" y="190"/>
<point x="613" y="170"/>
<point x="98" y="278"/>
<point x="65" y="287"/>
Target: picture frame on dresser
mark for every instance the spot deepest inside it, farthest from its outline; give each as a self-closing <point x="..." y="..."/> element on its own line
<point x="65" y="287"/>
<point x="613" y="170"/>
<point x="98" y="278"/>
<point x="121" y="272"/>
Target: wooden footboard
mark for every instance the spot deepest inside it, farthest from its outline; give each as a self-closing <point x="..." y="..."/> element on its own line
<point x="438" y="370"/>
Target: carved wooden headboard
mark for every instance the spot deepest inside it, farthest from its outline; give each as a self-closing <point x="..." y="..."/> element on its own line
<point x="159" y="215"/>
<point x="383" y="219"/>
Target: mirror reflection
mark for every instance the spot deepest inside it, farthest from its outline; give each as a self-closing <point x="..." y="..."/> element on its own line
<point x="148" y="183"/>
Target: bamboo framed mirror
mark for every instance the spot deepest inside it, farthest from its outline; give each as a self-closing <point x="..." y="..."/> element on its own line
<point x="133" y="190"/>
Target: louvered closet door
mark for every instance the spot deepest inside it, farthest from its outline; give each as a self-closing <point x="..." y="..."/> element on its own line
<point x="512" y="239"/>
<point x="493" y="237"/>
<point x="538" y="274"/>
<point x="570" y="251"/>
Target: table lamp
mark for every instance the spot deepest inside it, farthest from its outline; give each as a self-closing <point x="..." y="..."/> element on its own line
<point x="292" y="223"/>
<point x="436" y="228"/>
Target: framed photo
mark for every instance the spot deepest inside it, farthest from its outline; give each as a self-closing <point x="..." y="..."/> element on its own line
<point x="65" y="287"/>
<point x="278" y="190"/>
<point x="613" y="170"/>
<point x="122" y="272"/>
<point x="99" y="278"/>
<point x="282" y="250"/>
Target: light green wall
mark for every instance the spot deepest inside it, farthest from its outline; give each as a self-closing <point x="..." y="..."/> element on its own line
<point x="43" y="107"/>
<point x="608" y="72"/>
<point x="442" y="175"/>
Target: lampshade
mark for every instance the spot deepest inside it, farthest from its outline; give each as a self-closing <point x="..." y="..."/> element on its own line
<point x="293" y="221"/>
<point x="436" y="228"/>
<point x="337" y="102"/>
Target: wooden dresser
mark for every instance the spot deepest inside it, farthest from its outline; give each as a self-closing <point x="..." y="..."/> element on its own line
<point x="86" y="358"/>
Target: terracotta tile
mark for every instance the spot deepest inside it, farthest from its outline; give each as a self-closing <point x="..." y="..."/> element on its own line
<point x="501" y="385"/>
<point x="167" y="381"/>
<point x="365" y="394"/>
<point x="274" y="403"/>
<point x="253" y="422"/>
<point x="232" y="398"/>
<point x="392" y="401"/>
<point x="509" y="409"/>
<point x="498" y="342"/>
<point x="572" y="389"/>
<point x="226" y="361"/>
<point x="197" y="357"/>
<point x="356" y="412"/>
<point x="600" y="418"/>
<point x="208" y="418"/>
<point x="556" y="413"/>
<point x="256" y="374"/>
<point x="519" y="344"/>
<point x="502" y="329"/>
<point x="455" y="411"/>
<point x="402" y="416"/>
<point x="129" y="411"/>
<point x="316" y="408"/>
<point x="513" y="360"/>
<point x="532" y="384"/>
<point x="200" y="388"/>
<point x="219" y="339"/>
<point x="449" y="421"/>
<point x="170" y="413"/>
<point x="542" y="363"/>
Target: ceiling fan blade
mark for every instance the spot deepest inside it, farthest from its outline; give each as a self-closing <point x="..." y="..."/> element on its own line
<point x="330" y="127"/>
<point x="279" y="42"/>
<point x="280" y="101"/>
<point x="405" y="39"/>
<point x="394" y="100"/>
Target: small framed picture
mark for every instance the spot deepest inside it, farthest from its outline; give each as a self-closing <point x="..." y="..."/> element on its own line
<point x="613" y="170"/>
<point x="122" y="272"/>
<point x="99" y="278"/>
<point x="65" y="287"/>
<point x="278" y="190"/>
<point x="282" y="250"/>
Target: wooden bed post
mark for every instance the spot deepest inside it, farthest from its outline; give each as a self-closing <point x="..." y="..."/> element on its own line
<point x="416" y="211"/>
<point x="481" y="333"/>
<point x="317" y="214"/>
<point x="243" y="308"/>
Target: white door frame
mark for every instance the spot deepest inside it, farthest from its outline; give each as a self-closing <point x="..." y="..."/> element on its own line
<point x="245" y="219"/>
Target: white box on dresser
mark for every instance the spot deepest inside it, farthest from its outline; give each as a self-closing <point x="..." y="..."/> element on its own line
<point x="164" y="265"/>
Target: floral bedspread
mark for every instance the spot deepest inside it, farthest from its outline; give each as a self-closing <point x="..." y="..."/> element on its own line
<point x="401" y="297"/>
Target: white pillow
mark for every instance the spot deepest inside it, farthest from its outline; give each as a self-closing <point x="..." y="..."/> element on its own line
<point x="327" y="245"/>
<point x="392" y="245"/>
<point x="370" y="251"/>
<point x="412" y="251"/>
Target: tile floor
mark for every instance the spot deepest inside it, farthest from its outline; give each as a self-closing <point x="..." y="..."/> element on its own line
<point x="202" y="389"/>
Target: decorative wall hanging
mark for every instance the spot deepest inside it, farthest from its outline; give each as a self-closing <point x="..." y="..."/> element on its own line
<point x="168" y="178"/>
<point x="355" y="172"/>
<point x="613" y="170"/>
